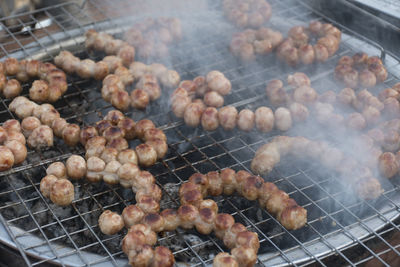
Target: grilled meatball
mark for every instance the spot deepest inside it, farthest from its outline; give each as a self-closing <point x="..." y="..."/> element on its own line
<point x="71" y="134"/>
<point x="110" y="222"/>
<point x="321" y="52"/>
<point x="12" y="89"/>
<point x="372" y="115"/>
<point x="76" y="167"/>
<point x="154" y="133"/>
<point x="170" y="78"/>
<point x="86" y="134"/>
<point x="127" y="156"/>
<point x="291" y="56"/>
<point x="39" y="92"/>
<point x="6" y="158"/>
<point x="62" y="192"/>
<point x="118" y="143"/>
<point x="388" y="92"/>
<point x="224" y="259"/>
<point x="246" y="52"/>
<point x="379" y="70"/>
<point x="18" y="136"/>
<point x="299" y="112"/>
<point x="264" y="119"/>
<point x="46" y="184"/>
<point x="29" y="124"/>
<point x="12" y="125"/>
<point x="152" y="89"/>
<point x="11" y="66"/>
<point x="350" y="78"/>
<point x="360" y="60"/>
<point x="341" y="70"/>
<point x="346" y="96"/>
<point x="277" y="95"/>
<point x="367" y="78"/>
<point x="95" y="166"/>
<point x="46" y="113"/>
<point x="189" y="87"/>
<point x="41" y="137"/>
<point x="160" y="146"/>
<point x="245" y="120"/>
<point x="213" y="99"/>
<point x="127" y="174"/>
<point x="391" y="140"/>
<point x="356" y="121"/>
<point x="283" y="119"/>
<point x="306" y="53"/>
<point x="179" y="105"/>
<point x="139" y="98"/>
<point x="58" y="126"/>
<point x="132" y="215"/>
<point x="147" y="155"/>
<point x="227" y="117"/>
<point x="216" y="81"/>
<point x="109" y="154"/>
<point x="57" y="169"/>
<point x="3" y="135"/>
<point x="114" y="116"/>
<point x="209" y="119"/>
<point x="113" y="132"/>
<point x="192" y="114"/>
<point x="141" y="126"/>
<point x="18" y="149"/>
<point x="120" y="100"/>
<point x="305" y="95"/>
<point x="392" y="107"/>
<point x="388" y="164"/>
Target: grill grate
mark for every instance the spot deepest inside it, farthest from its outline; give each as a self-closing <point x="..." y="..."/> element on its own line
<point x="54" y="234"/>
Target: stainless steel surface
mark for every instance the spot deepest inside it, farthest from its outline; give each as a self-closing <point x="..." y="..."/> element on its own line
<point x="52" y="234"/>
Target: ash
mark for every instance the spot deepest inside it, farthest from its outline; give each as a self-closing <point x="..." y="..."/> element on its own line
<point x="170" y="199"/>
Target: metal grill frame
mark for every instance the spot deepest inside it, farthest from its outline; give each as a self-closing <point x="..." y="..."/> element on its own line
<point x="179" y="162"/>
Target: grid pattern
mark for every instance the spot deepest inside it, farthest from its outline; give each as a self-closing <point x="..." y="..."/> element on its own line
<point x="70" y="236"/>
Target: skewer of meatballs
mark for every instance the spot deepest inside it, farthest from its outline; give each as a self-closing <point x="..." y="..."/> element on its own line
<point x="12" y="145"/>
<point x="138" y="242"/>
<point x="105" y="42"/>
<point x="47" y="116"/>
<point x="116" y="78"/>
<point x="297" y="49"/>
<point x="369" y="109"/>
<point x="87" y="68"/>
<point x="197" y="111"/>
<point x="151" y="37"/>
<point x="249" y="43"/>
<point x="361" y="178"/>
<point x="52" y="83"/>
<point x="360" y="70"/>
<point x="387" y="135"/>
<point x="247" y="13"/>
<point x="293" y="105"/>
<point x="277" y="202"/>
<point x="108" y="156"/>
<point x="195" y="212"/>
<point x="121" y="169"/>
<point x="372" y="111"/>
<point x="148" y="77"/>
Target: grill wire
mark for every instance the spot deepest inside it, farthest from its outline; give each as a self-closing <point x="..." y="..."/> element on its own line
<point x="59" y="231"/>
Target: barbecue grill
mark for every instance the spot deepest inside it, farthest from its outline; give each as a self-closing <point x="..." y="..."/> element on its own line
<point x="341" y="229"/>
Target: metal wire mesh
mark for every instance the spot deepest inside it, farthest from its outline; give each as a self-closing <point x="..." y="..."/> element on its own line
<point x="70" y="236"/>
